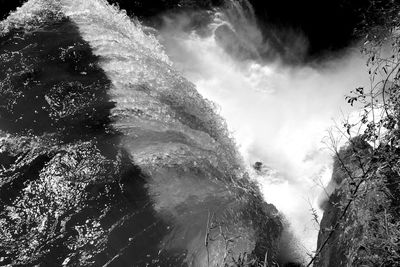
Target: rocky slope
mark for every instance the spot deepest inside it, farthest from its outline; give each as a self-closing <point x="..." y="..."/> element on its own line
<point x="360" y="226"/>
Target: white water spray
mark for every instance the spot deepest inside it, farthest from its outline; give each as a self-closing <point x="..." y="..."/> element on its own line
<point x="277" y="114"/>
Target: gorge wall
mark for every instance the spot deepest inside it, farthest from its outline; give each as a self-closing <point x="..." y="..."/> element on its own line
<point x="360" y="226"/>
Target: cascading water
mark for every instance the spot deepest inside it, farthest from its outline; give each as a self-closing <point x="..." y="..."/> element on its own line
<point x="278" y="114"/>
<point x="110" y="157"/>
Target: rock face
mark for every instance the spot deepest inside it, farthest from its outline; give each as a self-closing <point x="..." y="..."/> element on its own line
<point x="109" y="157"/>
<point x="360" y="225"/>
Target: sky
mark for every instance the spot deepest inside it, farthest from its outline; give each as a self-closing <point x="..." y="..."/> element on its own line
<point x="327" y="25"/>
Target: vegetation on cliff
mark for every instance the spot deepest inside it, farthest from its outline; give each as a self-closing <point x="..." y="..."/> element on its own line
<point x="361" y="224"/>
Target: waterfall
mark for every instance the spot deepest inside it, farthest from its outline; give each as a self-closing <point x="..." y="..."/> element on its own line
<point x="110" y="156"/>
<point x="278" y="114"/>
<point x="121" y="144"/>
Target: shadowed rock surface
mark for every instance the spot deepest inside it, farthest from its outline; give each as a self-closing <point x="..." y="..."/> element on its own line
<point x="367" y="232"/>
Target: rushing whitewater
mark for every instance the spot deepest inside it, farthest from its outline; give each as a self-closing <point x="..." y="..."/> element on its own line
<point x="110" y="157"/>
<point x="278" y="114"/>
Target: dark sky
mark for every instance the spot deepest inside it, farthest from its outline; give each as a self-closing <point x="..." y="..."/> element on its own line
<point x="327" y="24"/>
<point x="7" y="5"/>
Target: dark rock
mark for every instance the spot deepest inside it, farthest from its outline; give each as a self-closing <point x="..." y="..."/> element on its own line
<point x="360" y="219"/>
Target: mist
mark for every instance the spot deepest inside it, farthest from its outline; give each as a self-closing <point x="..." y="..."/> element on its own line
<point x="277" y="113"/>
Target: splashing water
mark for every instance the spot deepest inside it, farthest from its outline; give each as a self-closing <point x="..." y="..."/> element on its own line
<point x="278" y="114"/>
<point x="161" y="185"/>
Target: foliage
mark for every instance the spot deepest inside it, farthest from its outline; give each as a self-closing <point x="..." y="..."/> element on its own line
<point x="367" y="169"/>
